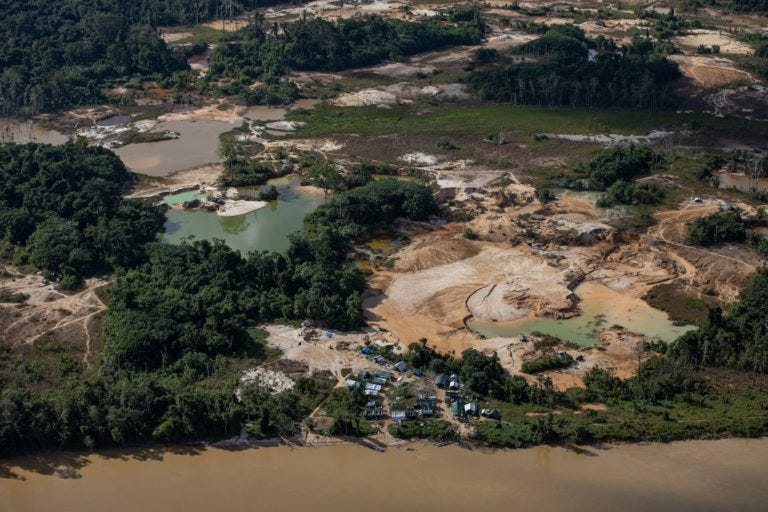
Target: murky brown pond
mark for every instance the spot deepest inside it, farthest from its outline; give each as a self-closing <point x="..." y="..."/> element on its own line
<point x="698" y="475"/>
<point x="742" y="182"/>
<point x="197" y="145"/>
<point x="23" y="131"/>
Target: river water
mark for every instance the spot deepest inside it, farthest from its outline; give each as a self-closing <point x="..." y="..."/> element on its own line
<point x="726" y="475"/>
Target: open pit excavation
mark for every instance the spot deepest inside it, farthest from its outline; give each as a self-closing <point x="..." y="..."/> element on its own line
<point x="377" y="228"/>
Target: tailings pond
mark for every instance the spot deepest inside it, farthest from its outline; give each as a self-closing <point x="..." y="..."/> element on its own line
<point x="23" y="131"/>
<point x="264" y="229"/>
<point x="601" y="308"/>
<point x="196" y="146"/>
<point x="727" y="475"/>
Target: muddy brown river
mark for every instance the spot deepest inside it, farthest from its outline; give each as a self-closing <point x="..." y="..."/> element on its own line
<point x="696" y="475"/>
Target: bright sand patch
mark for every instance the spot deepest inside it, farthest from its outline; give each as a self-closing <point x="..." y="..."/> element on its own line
<point x="708" y="38"/>
<point x="234" y="207"/>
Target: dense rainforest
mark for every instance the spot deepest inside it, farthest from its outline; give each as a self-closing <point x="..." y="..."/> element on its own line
<point x="320" y="45"/>
<point x="62" y="210"/>
<point x="565" y="68"/>
<point x="58" y="53"/>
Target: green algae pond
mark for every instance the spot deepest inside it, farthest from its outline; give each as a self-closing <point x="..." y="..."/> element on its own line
<point x="264" y="229"/>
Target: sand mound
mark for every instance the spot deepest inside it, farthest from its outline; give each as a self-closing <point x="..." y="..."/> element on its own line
<point x="528" y="285"/>
<point x="275" y="381"/>
<point x="434" y="251"/>
<point x="402" y="93"/>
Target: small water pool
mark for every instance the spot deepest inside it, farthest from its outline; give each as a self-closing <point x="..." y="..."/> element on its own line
<point x="182" y="197"/>
<point x="601" y="308"/>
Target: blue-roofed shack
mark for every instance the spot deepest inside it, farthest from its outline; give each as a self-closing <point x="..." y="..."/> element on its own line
<point x="399" y="415"/>
<point x="401" y="366"/>
<point x="367" y="350"/>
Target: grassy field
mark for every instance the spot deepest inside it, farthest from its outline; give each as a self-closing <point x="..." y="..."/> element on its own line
<point x="487" y="119"/>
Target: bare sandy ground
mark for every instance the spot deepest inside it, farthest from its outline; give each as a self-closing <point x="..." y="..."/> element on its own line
<point x="48" y="313"/>
<point x="182" y="180"/>
<point x="402" y="93"/>
<point x="234" y="207"/>
<point x="227" y="25"/>
<point x="172" y="37"/>
<point x="219" y="111"/>
<point x="496" y="284"/>
<point x="711" y="72"/>
<point x="618" y="350"/>
<point x="331" y="354"/>
<point x="726" y="42"/>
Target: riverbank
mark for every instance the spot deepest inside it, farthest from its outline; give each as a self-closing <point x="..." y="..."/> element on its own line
<point x="711" y="476"/>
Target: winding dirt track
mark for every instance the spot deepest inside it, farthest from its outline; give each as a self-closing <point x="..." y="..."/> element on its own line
<point x="48" y="312"/>
<point x="678" y="219"/>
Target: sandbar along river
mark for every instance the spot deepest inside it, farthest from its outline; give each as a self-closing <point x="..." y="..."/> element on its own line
<point x="726" y="475"/>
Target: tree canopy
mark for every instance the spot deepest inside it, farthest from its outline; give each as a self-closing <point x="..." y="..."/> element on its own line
<point x="62" y="208"/>
<point x="59" y="53"/>
<point x="571" y="70"/>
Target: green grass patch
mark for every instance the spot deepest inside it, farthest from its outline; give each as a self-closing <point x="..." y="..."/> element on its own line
<point x="489" y="119"/>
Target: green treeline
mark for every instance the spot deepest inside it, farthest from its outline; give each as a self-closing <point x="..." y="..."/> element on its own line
<point x="758" y="62"/>
<point x="59" y="53"/>
<point x="320" y="45"/>
<point x="201" y="298"/>
<point x="620" y="164"/>
<point x="565" y="73"/>
<point x="62" y="210"/>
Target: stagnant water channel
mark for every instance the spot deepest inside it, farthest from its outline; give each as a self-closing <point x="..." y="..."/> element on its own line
<point x="720" y="475"/>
